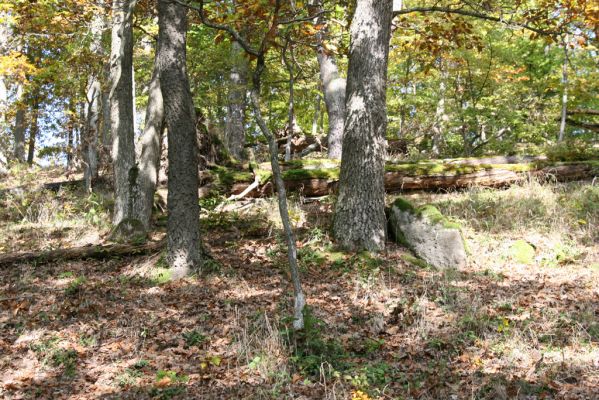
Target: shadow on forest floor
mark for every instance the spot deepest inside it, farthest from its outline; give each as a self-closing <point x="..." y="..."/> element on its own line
<point x="379" y="327"/>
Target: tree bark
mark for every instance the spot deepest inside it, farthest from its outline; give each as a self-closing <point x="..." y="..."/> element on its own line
<point x="97" y="252"/>
<point x="151" y="141"/>
<point x="235" y="124"/>
<point x="334" y="87"/>
<point x="183" y="226"/>
<point x="20" y="124"/>
<point x="121" y="110"/>
<point x="93" y="109"/>
<point x="89" y="146"/>
<point x="33" y="128"/>
<point x="360" y="210"/>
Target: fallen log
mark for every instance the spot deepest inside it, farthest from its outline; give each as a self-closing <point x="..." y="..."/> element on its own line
<point x="319" y="177"/>
<point x="77" y="253"/>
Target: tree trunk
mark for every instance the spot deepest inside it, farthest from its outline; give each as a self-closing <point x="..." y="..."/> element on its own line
<point x="299" y="299"/>
<point x="235" y="124"/>
<point x="93" y="109"/>
<point x="334" y="87"/>
<point x="290" y="106"/>
<point x="360" y="210"/>
<point x="564" y="115"/>
<point x="121" y="110"/>
<point x="151" y="140"/>
<point x="70" y="133"/>
<point x="20" y="123"/>
<point x="89" y="146"/>
<point x="183" y="227"/>
<point x="33" y="129"/>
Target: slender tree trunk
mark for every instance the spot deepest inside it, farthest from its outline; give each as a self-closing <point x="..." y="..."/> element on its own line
<point x="235" y="124"/>
<point x="20" y="124"/>
<point x="564" y="115"/>
<point x="150" y="148"/>
<point x="360" y="211"/>
<point x="183" y="226"/>
<point x="33" y="129"/>
<point x="334" y="87"/>
<point x="70" y="133"/>
<point x="290" y="107"/>
<point x="299" y="299"/>
<point x="121" y="109"/>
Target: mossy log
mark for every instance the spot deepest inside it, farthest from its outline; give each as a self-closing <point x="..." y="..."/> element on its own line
<point x="319" y="177"/>
<point x="78" y="253"/>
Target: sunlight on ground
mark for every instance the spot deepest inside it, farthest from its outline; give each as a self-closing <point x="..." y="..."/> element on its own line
<point x="507" y="326"/>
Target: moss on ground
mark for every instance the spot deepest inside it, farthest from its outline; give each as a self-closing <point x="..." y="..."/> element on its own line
<point x="522" y="252"/>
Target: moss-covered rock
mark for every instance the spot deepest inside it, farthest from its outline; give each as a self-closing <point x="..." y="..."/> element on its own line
<point x="428" y="233"/>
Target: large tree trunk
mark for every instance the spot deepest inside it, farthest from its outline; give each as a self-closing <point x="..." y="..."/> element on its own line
<point x="121" y="110"/>
<point x="183" y="227"/>
<point x="235" y="124"/>
<point x="360" y="211"/>
<point x="151" y="140"/>
<point x="20" y="124"/>
<point x="334" y="87"/>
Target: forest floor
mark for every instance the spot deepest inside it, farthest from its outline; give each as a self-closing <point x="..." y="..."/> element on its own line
<point x="512" y="325"/>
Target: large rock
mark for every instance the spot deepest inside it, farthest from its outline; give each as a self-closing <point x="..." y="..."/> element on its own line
<point x="428" y="234"/>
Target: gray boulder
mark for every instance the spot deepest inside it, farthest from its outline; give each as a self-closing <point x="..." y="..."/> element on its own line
<point x="428" y="234"/>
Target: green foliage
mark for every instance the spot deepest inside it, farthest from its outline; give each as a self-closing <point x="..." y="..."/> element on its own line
<point x="312" y="350"/>
<point x="193" y="338"/>
<point x="75" y="286"/>
<point x="67" y="359"/>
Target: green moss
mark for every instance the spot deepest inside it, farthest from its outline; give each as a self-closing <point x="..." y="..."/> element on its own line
<point x="300" y="174"/>
<point x="416" y="261"/>
<point x="318" y="163"/>
<point x="227" y="177"/>
<point x="403" y="204"/>
<point x="263" y="175"/>
<point x="522" y="251"/>
<point x="428" y="211"/>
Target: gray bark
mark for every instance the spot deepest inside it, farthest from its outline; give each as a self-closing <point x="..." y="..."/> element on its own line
<point x="183" y="226"/>
<point x="235" y="124"/>
<point x="121" y="109"/>
<point x="360" y="216"/>
<point x="90" y="134"/>
<point x="334" y="87"/>
<point x="151" y="140"/>
<point x="93" y="108"/>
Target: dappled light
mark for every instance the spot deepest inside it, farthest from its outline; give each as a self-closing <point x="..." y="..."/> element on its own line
<point x="268" y="199"/>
